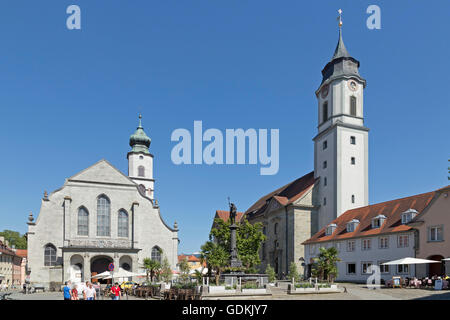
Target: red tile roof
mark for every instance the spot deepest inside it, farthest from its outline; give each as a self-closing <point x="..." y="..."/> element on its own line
<point x="391" y="209"/>
<point x="190" y="258"/>
<point x="225" y="215"/>
<point x="22" y="253"/>
<point x="285" y="195"/>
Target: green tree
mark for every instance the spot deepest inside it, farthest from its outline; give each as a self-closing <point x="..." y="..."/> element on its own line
<point x="151" y="266"/>
<point x="166" y="270"/>
<point x="249" y="238"/>
<point x="216" y="256"/>
<point x="270" y="271"/>
<point x="325" y="265"/>
<point x="293" y="272"/>
<point x="184" y="269"/>
<point x="198" y="276"/>
<point x="14" y="239"/>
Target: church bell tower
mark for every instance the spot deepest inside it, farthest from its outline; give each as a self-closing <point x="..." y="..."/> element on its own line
<point x="341" y="144"/>
<point x="140" y="161"/>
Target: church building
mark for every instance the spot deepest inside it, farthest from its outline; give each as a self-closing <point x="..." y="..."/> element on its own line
<point x="339" y="182"/>
<point x="98" y="217"/>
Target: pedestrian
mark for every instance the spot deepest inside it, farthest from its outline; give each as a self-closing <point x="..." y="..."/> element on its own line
<point x="116" y="293"/>
<point x="89" y="293"/>
<point x="67" y="291"/>
<point x="74" y="293"/>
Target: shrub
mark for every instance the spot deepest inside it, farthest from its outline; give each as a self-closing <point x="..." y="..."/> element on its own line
<point x="271" y="273"/>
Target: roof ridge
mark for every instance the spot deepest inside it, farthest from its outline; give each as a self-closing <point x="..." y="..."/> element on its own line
<point x="389" y="201"/>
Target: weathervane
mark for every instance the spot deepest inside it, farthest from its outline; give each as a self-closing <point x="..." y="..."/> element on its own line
<point x="340" y="17"/>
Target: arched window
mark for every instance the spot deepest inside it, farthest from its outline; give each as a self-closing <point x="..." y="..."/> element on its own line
<point x="141" y="171"/>
<point x="275" y="228"/>
<point x="50" y="255"/>
<point x="325" y="111"/>
<point x="123" y="224"/>
<point x="156" y="254"/>
<point x="353" y="106"/>
<point x="83" y="222"/>
<point x="103" y="216"/>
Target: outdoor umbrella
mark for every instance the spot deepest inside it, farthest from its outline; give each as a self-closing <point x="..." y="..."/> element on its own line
<point x="102" y="275"/>
<point x="122" y="273"/>
<point x="410" y="261"/>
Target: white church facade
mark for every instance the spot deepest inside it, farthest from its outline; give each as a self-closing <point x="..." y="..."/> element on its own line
<point x="101" y="216"/>
<point x="295" y="212"/>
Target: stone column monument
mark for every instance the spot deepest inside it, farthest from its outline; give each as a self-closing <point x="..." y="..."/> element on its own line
<point x="235" y="262"/>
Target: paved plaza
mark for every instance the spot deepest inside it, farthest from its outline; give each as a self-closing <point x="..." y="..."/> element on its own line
<point x="353" y="292"/>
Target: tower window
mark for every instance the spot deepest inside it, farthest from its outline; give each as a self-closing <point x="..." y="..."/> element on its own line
<point x="324" y="164"/>
<point x="325" y="111"/>
<point x="353" y="160"/>
<point x="352" y="140"/>
<point x="324" y="201"/>
<point x="325" y="181"/>
<point x="353" y="106"/>
<point x="353" y="198"/>
<point x="141" y="171"/>
<point x="325" y="144"/>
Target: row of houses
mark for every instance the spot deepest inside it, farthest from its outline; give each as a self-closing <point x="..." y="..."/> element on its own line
<point x="12" y="265"/>
<point x="416" y="226"/>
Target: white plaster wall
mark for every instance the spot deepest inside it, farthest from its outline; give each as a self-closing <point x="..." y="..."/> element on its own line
<point x="374" y="255"/>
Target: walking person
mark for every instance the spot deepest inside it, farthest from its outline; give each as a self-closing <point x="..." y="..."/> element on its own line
<point x="116" y="292"/>
<point x="89" y="292"/>
<point x="74" y="293"/>
<point x="66" y="290"/>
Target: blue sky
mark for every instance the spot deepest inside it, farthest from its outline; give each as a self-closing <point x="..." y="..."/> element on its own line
<point x="71" y="98"/>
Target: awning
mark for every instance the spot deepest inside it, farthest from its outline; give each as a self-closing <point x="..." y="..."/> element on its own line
<point x="409" y="261"/>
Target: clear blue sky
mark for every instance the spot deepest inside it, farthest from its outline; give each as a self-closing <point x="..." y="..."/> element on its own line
<point x="71" y="98"/>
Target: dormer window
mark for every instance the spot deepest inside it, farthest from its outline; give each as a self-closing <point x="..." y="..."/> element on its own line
<point x="408" y="215"/>
<point x="351" y="226"/>
<point x="330" y="229"/>
<point x="378" y="221"/>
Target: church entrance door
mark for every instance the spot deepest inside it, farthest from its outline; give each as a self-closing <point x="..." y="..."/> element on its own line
<point x="99" y="265"/>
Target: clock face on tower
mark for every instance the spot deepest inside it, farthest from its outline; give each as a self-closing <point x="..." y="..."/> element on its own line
<point x="352" y="85"/>
<point x="324" y="91"/>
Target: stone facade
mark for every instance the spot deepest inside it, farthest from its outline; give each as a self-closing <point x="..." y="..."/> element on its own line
<point x="286" y="226"/>
<point x="100" y="216"/>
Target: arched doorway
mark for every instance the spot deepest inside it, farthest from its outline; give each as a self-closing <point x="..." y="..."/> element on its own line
<point x="100" y="264"/>
<point x="76" y="270"/>
<point x="435" y="268"/>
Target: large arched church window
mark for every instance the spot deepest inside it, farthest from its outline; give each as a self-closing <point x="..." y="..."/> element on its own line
<point x="50" y="255"/>
<point x="156" y="254"/>
<point x="353" y="106"/>
<point x="141" y="171"/>
<point x="103" y="216"/>
<point x="123" y="224"/>
<point x="83" y="222"/>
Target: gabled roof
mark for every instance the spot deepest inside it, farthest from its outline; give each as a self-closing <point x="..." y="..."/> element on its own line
<point x="285" y="195"/>
<point x="391" y="209"/>
<point x="225" y="215"/>
<point x="110" y="174"/>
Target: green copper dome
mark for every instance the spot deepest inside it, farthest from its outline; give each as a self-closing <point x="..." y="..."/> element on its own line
<point x="139" y="141"/>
